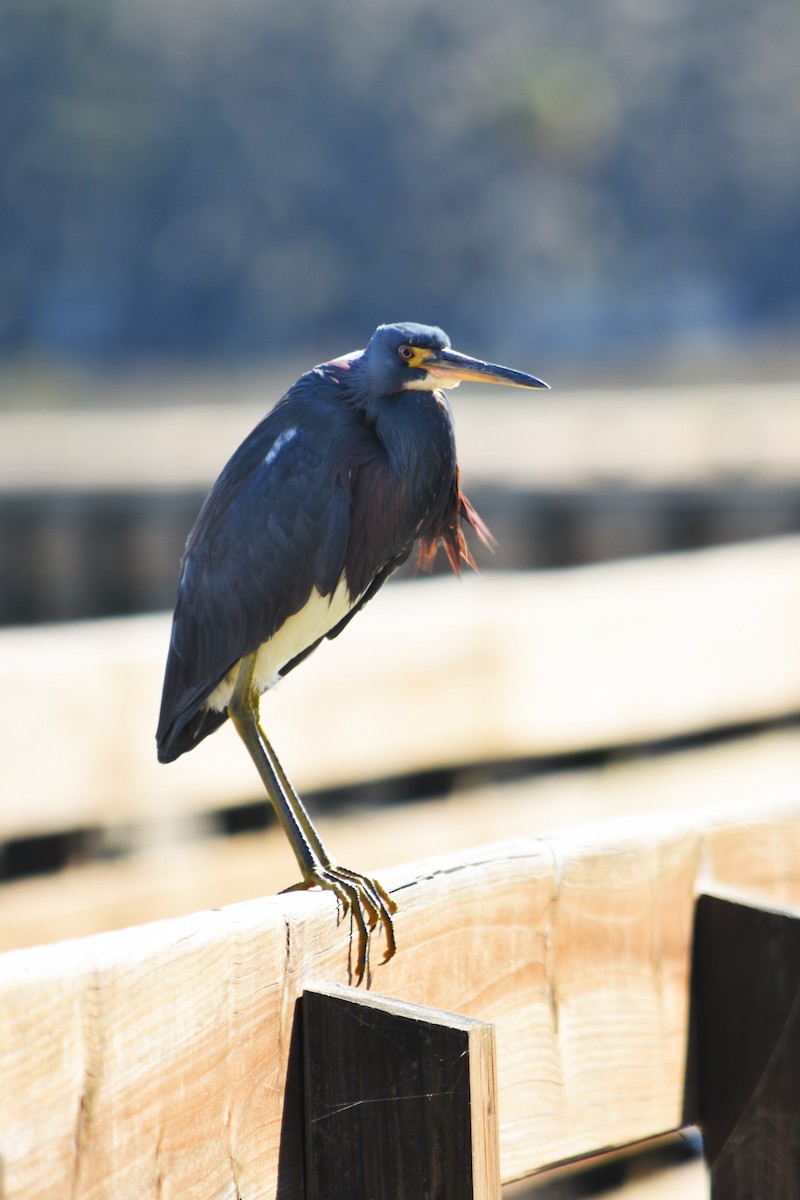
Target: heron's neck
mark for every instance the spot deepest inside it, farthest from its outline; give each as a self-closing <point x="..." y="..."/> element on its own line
<point x="416" y="430"/>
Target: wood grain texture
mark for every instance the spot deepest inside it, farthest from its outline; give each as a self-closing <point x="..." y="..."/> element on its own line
<point x="175" y="878"/>
<point x="401" y="1100"/>
<point x="158" y="1061"/>
<point x="431" y="674"/>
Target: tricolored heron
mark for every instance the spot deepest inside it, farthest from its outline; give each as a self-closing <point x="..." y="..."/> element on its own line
<point x="351" y="470"/>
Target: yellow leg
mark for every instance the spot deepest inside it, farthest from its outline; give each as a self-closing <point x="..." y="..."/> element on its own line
<point x="363" y="896"/>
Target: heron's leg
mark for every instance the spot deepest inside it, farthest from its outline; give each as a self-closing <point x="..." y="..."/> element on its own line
<point x="307" y="825"/>
<point x="311" y="833"/>
<point x="366" y="899"/>
<point x="379" y="904"/>
<point x="373" y="896"/>
<point x="243" y="714"/>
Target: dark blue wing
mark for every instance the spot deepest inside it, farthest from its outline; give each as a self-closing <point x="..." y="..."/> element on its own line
<point x="274" y="526"/>
<point x="309" y="498"/>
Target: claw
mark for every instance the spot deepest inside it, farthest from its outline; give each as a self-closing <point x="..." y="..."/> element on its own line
<point x="367" y="901"/>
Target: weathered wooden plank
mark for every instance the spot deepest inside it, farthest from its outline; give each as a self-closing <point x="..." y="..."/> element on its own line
<point x="83" y="536"/>
<point x="154" y="1060"/>
<point x="746" y="998"/>
<point x="431" y="674"/>
<point x="401" y="1100"/>
<point x="672" y="435"/>
<point x="174" y="878"/>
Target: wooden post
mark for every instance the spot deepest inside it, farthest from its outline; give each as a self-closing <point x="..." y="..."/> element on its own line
<point x="746" y="1030"/>
<point x="401" y="1100"/>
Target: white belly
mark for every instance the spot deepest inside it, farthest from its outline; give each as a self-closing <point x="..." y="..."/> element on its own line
<point x="319" y="615"/>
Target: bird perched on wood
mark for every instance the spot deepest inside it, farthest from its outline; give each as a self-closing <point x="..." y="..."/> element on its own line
<point x="353" y="468"/>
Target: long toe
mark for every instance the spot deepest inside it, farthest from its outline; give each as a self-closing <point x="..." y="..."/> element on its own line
<point x="368" y="902"/>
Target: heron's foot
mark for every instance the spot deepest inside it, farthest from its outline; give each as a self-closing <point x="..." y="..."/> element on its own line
<point x="364" y="897"/>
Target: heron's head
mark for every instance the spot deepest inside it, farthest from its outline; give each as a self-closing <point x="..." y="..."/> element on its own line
<point x="419" y="357"/>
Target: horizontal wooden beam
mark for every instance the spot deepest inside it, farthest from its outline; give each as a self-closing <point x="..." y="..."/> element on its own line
<point x="160" y="1059"/>
<point x="175" y="877"/>
<point x="432" y="674"/>
<point x="672" y="435"/>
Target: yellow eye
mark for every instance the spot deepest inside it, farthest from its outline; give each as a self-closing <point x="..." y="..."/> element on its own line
<point x="406" y="353"/>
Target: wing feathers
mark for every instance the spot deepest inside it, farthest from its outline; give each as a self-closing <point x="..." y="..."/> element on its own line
<point x="274" y="526"/>
<point x="313" y="496"/>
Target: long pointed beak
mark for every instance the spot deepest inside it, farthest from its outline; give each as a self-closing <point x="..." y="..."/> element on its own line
<point x="451" y="368"/>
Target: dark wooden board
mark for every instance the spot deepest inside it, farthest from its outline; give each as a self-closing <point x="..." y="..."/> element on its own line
<point x="746" y="1036"/>
<point x="400" y="1101"/>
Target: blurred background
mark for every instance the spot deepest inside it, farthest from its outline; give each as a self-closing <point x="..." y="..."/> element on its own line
<point x="187" y="182"/>
<point x="198" y="201"/>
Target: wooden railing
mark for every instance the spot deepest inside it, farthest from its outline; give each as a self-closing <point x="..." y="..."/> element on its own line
<point x="95" y="506"/>
<point x="540" y="1005"/>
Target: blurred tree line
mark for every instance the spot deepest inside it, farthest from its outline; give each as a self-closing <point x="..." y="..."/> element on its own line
<point x="207" y="180"/>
